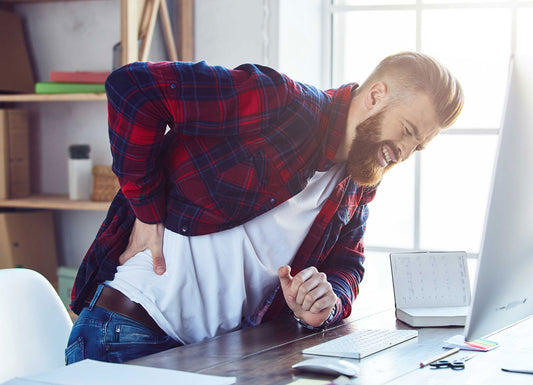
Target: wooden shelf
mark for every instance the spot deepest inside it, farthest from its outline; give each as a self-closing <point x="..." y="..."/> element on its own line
<point x="17" y="98"/>
<point x="54" y="202"/>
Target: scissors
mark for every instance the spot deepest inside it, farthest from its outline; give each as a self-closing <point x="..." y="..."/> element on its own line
<point x="458" y="364"/>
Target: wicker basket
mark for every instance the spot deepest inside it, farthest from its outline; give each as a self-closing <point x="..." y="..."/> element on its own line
<point x="105" y="184"/>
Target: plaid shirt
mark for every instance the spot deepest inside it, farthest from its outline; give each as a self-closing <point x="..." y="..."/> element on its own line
<point x="239" y="143"/>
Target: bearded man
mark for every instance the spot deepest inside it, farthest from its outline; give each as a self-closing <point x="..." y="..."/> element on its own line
<point x="243" y="195"/>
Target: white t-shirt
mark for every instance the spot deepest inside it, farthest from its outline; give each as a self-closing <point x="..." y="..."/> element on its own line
<point x="212" y="281"/>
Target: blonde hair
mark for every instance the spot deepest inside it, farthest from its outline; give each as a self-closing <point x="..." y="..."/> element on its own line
<point x="410" y="72"/>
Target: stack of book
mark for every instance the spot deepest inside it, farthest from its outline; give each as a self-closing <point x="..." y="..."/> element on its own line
<point x="77" y="82"/>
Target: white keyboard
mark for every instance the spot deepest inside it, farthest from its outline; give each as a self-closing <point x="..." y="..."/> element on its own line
<point x="361" y="343"/>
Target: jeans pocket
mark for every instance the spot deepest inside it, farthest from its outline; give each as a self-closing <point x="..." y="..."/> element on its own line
<point x="75" y="351"/>
<point x="132" y="340"/>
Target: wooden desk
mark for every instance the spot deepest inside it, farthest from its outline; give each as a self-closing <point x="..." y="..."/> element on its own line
<point x="264" y="355"/>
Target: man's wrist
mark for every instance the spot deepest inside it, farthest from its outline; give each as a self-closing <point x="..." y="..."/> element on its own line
<point x="324" y="324"/>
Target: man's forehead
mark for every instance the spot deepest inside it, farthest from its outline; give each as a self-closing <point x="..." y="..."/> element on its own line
<point x="421" y="115"/>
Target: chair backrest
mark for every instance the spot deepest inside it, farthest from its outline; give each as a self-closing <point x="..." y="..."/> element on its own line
<point x="34" y="324"/>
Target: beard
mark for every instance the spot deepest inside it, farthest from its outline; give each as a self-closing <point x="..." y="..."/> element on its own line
<point x="362" y="163"/>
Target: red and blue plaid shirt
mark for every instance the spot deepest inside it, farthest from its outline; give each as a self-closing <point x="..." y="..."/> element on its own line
<point x="239" y="142"/>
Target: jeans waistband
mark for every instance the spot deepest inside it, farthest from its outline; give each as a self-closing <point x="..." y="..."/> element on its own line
<point x="113" y="300"/>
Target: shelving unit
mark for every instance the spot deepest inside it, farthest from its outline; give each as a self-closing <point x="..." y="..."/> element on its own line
<point x="46" y="201"/>
<point x="52" y="201"/>
<point x="131" y="24"/>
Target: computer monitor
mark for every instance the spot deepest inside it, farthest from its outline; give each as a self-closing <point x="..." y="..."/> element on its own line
<point x="503" y="288"/>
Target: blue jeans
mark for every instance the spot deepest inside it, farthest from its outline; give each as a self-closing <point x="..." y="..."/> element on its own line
<point x="103" y="335"/>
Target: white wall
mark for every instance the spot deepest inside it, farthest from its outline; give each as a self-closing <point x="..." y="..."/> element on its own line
<point x="284" y="34"/>
<point x="232" y="32"/>
<point x="80" y="36"/>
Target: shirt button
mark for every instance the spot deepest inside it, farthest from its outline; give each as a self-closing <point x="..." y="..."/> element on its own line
<point x="184" y="229"/>
<point x="172" y="85"/>
<point x="272" y="201"/>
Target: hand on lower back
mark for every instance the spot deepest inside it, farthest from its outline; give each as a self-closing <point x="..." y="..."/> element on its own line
<point x="146" y="236"/>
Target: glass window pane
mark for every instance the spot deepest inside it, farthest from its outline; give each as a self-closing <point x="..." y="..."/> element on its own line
<point x="456" y="175"/>
<point x="525" y="31"/>
<point x="391" y="220"/>
<point x="359" y="43"/>
<point x="475" y="44"/>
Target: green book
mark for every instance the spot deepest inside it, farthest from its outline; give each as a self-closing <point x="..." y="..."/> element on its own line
<point x="68" y="88"/>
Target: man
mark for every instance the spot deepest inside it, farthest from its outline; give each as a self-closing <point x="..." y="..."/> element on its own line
<point x="253" y="202"/>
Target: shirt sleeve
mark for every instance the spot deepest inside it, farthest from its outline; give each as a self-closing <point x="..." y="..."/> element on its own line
<point x="344" y="265"/>
<point x="145" y="98"/>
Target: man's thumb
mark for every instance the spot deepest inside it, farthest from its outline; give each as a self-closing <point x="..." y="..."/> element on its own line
<point x="284" y="274"/>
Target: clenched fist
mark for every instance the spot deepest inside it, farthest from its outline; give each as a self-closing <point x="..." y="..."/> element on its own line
<point x="308" y="294"/>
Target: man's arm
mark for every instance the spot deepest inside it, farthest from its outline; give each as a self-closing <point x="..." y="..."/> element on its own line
<point x="344" y="264"/>
<point x="191" y="99"/>
<point x="315" y="292"/>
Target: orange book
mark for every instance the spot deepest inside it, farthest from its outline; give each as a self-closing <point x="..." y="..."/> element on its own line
<point x="98" y="77"/>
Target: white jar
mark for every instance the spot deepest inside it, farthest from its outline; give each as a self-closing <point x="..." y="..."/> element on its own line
<point x="80" y="179"/>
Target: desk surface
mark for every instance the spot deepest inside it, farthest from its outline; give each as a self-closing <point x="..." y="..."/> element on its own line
<point x="264" y="355"/>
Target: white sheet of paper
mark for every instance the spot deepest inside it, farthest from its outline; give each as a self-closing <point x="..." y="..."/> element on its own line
<point x="89" y="372"/>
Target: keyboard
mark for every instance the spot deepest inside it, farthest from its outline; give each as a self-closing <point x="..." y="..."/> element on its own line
<point x="361" y="343"/>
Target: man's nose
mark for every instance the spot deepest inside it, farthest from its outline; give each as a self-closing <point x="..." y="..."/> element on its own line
<point x="407" y="148"/>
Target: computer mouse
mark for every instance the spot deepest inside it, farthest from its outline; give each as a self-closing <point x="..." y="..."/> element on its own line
<point x="328" y="365"/>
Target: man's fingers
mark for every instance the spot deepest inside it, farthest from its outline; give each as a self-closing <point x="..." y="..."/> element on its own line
<point x="319" y="298"/>
<point x="127" y="254"/>
<point x="159" y="263"/>
<point x="310" y="279"/>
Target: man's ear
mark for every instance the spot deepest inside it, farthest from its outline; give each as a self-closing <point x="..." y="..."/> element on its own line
<point x="375" y="95"/>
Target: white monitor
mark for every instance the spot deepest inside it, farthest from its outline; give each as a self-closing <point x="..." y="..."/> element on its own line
<point x="503" y="288"/>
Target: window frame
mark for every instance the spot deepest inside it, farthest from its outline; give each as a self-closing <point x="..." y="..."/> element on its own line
<point x="332" y="8"/>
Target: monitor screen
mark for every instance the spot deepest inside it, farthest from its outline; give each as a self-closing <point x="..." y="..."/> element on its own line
<point x="503" y="288"/>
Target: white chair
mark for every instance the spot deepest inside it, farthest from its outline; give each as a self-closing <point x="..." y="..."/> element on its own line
<point x="34" y="324"/>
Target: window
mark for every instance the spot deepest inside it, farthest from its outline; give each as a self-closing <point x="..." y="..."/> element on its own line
<point x="437" y="199"/>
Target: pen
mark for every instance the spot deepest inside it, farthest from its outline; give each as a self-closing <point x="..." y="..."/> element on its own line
<point x="439" y="357"/>
<point x="525" y="371"/>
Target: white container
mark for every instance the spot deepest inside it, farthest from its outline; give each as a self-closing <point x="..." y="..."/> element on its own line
<point x="80" y="178"/>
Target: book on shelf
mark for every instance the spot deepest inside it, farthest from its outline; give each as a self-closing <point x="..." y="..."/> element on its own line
<point x="14" y="154"/>
<point x="68" y="88"/>
<point x="85" y="77"/>
<point x="431" y="288"/>
<point x="16" y="73"/>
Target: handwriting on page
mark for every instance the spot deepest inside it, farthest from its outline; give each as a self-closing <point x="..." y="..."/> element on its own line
<point x="430" y="279"/>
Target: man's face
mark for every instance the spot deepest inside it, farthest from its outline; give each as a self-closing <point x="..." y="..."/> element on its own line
<point x="391" y="136"/>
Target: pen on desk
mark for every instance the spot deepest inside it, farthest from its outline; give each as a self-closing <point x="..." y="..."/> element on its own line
<point x="439" y="357"/>
<point x="514" y="370"/>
